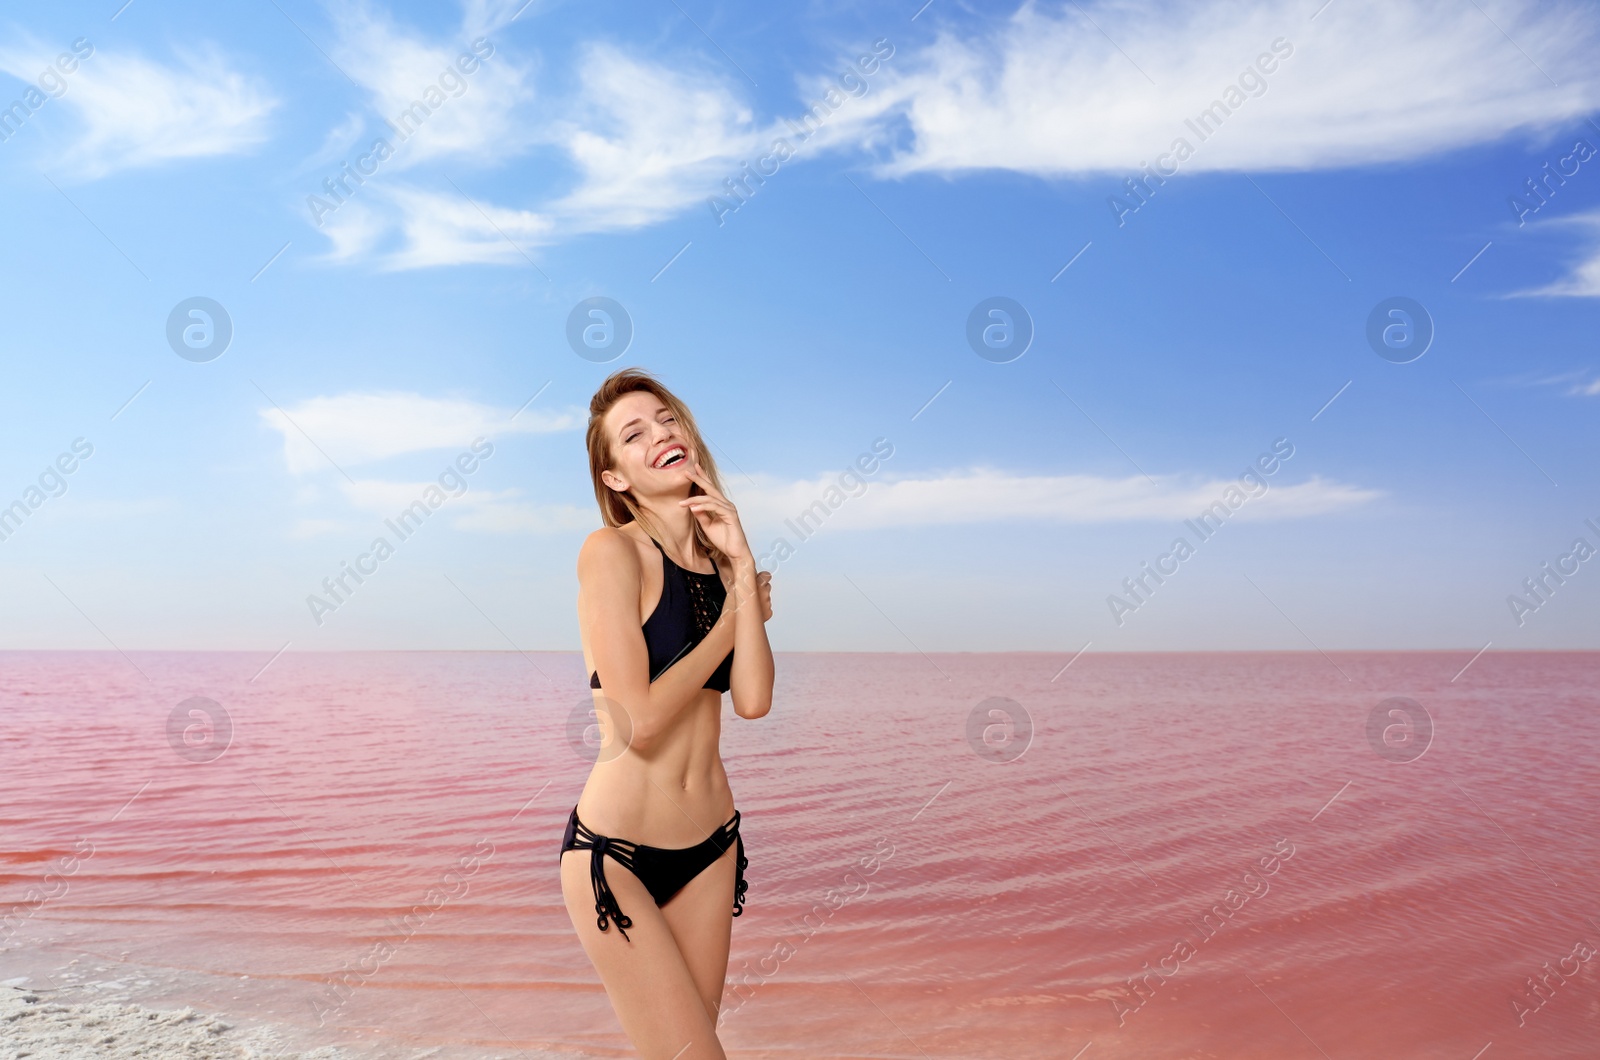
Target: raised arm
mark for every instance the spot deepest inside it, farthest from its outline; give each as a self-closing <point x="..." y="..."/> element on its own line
<point x="609" y="580"/>
<point x="748" y="601"/>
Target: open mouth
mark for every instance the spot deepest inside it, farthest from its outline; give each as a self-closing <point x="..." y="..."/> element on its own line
<point x="671" y="458"/>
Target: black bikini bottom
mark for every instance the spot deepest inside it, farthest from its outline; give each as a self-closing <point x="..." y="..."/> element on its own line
<point x="663" y="870"/>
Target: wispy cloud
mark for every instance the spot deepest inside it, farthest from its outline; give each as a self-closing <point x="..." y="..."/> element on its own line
<point x="359" y="428"/>
<point x="405" y="227"/>
<point x="336" y="144"/>
<point x="982" y="495"/>
<point x="1580" y="382"/>
<point x="645" y="142"/>
<point x="1583" y="276"/>
<point x="468" y="116"/>
<point x="1052" y="93"/>
<point x="1053" y="90"/>
<point x="649" y="141"/>
<point x="135" y="111"/>
<point x="977" y="495"/>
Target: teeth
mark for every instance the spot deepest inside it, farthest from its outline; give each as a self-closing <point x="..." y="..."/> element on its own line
<point x="666" y="458"/>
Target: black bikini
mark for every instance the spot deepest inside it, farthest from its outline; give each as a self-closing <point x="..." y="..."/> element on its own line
<point x="689" y="605"/>
<point x="663" y="870"/>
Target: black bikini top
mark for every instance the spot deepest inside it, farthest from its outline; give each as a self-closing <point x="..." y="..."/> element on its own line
<point x="689" y="605"/>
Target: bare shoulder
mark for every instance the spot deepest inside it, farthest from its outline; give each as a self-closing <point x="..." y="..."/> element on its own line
<point x="607" y="550"/>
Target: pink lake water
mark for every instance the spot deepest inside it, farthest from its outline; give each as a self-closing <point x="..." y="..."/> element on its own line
<point x="1401" y="909"/>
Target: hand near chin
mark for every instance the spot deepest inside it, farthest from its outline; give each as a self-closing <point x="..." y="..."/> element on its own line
<point x="716" y="515"/>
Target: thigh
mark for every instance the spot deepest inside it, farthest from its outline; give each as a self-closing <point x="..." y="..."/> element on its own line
<point x="656" y="999"/>
<point x="701" y="920"/>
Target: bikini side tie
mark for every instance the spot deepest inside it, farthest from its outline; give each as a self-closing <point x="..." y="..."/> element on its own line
<point x="605" y="902"/>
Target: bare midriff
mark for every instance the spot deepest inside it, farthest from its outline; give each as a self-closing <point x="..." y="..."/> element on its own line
<point x="674" y="795"/>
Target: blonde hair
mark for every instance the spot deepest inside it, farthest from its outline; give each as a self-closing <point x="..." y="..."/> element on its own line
<point x="618" y="508"/>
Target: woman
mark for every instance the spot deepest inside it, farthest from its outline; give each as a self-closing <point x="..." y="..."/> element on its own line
<point x="671" y="611"/>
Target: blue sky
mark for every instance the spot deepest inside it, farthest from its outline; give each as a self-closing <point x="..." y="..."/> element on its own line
<point x="1364" y="151"/>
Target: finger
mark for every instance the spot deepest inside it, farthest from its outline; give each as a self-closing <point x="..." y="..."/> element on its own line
<point x="698" y="474"/>
<point x="706" y="498"/>
<point x="709" y="504"/>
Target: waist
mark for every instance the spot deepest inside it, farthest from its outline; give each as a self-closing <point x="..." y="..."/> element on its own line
<point x="655" y="806"/>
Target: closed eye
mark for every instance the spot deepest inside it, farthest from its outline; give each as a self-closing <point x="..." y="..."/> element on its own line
<point x="670" y="419"/>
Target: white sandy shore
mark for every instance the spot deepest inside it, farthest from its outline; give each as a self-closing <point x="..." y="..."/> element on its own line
<point x="34" y="1027"/>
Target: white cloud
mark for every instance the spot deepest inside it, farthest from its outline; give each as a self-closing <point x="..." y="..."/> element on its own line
<point x="649" y="141"/>
<point x="646" y="141"/>
<point x="1370" y="81"/>
<point x="336" y="145"/>
<point x="359" y="428"/>
<point x="983" y="495"/>
<point x="1043" y="92"/>
<point x="461" y="115"/>
<point x="138" y="112"/>
<point x="1583" y="277"/>
<point x="1578" y="382"/>
<point x="356" y="228"/>
<point x="405" y="227"/>
<point x="978" y="495"/>
<point x="1581" y="383"/>
<point x="447" y="229"/>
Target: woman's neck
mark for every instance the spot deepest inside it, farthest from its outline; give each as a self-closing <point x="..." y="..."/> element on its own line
<point x="676" y="527"/>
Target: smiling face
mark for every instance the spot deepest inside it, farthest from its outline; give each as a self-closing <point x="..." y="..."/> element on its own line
<point x="635" y="422"/>
<point x="650" y="451"/>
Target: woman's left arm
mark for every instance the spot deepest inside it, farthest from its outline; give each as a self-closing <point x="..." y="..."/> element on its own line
<point x="750" y="597"/>
<point x="750" y="678"/>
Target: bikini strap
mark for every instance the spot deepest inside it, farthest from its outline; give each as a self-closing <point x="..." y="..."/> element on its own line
<point x="714" y="568"/>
